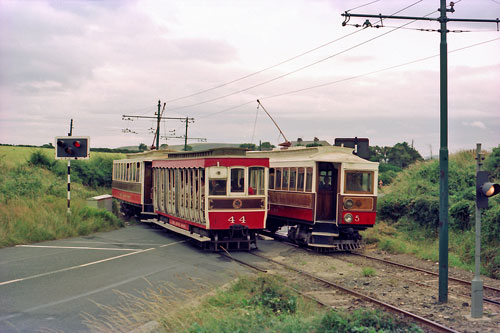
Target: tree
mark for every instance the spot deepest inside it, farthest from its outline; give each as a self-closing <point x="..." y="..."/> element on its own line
<point x="492" y="164"/>
<point x="266" y="145"/>
<point x="249" y="146"/>
<point x="403" y="155"/>
<point x="142" y="147"/>
<point x="379" y="154"/>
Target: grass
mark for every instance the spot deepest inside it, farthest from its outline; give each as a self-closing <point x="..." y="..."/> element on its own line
<point x="261" y="303"/>
<point x="15" y="156"/>
<point x="33" y="203"/>
<point x="368" y="272"/>
<point x="418" y="243"/>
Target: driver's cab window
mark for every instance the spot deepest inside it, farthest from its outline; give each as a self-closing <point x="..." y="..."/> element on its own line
<point x="217" y="187"/>
<point x="237" y="180"/>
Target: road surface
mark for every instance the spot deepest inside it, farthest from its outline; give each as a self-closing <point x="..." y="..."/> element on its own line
<point x="47" y="286"/>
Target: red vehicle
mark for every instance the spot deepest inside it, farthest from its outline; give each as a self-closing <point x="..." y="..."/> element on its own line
<point x="323" y="195"/>
<point x="218" y="197"/>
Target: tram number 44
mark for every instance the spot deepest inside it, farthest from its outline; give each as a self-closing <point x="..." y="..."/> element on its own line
<point x="242" y="220"/>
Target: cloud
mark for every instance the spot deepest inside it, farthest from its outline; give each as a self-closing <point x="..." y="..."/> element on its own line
<point x="476" y="123"/>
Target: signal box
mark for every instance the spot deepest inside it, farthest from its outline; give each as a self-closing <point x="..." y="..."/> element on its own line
<point x="72" y="147"/>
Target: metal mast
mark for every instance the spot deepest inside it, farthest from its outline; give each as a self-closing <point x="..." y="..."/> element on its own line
<point x="443" y="151"/>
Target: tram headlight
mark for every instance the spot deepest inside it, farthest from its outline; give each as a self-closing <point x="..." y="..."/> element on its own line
<point x="348" y="218"/>
<point x="348" y="204"/>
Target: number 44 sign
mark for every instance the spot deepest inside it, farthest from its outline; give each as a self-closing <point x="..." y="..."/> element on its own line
<point x="242" y="220"/>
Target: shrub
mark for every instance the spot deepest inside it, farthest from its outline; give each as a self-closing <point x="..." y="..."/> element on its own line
<point x="425" y="211"/>
<point x="492" y="163"/>
<point x="460" y="213"/>
<point x="38" y="158"/>
<point x="273" y="295"/>
<point x="392" y="207"/>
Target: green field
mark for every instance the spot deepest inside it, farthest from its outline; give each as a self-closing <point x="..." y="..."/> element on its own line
<point x="33" y="196"/>
<point x="14" y="156"/>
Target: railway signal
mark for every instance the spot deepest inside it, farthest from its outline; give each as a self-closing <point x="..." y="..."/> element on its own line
<point x="485" y="189"/>
<point x="72" y="147"/>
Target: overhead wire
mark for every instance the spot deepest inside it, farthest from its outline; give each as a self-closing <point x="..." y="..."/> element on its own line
<point x="281" y="62"/>
<point x="303" y="67"/>
<point x="349" y="78"/>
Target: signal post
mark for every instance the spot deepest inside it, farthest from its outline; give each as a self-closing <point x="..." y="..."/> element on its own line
<point x="72" y="148"/>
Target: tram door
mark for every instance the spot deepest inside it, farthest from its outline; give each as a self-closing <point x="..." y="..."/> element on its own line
<point x="326" y="192"/>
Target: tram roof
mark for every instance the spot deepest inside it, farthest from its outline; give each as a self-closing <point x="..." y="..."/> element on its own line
<point x="317" y="154"/>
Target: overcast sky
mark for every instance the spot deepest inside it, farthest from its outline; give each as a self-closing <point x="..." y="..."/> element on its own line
<point x="94" y="61"/>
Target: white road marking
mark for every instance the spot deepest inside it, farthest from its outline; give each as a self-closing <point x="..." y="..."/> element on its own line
<point x="111" y="286"/>
<point x="109" y="243"/>
<point x="165" y="245"/>
<point x="77" y="247"/>
<point x="73" y="267"/>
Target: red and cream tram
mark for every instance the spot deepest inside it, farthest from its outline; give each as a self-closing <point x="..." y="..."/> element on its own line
<point x="218" y="197"/>
<point x="324" y="195"/>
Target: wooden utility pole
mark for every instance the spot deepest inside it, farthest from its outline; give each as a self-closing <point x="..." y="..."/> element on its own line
<point x="443" y="151"/>
<point x="159" y="117"/>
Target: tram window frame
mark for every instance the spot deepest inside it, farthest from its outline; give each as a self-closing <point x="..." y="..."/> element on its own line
<point x="301" y="180"/>
<point x="138" y="172"/>
<point x="309" y="179"/>
<point x="286" y="179"/>
<point x="293" y="179"/>
<point x="370" y="183"/>
<point x="235" y="174"/>
<point x="271" y="178"/>
<point x="256" y="180"/>
<point x="278" y="179"/>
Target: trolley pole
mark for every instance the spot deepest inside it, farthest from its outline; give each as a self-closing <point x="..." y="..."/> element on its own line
<point x="443" y="151"/>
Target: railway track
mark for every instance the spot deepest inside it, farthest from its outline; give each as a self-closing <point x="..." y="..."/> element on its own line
<point x="492" y="294"/>
<point x="327" y="285"/>
<point x="494" y="299"/>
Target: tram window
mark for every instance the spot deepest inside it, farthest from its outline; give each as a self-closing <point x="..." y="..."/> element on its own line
<point x="325" y="180"/>
<point x="286" y="173"/>
<point x="127" y="174"/>
<point x="309" y="179"/>
<point x="256" y="181"/>
<point x="271" y="178"/>
<point x="278" y="178"/>
<point x="359" y="182"/>
<point x="293" y="179"/>
<point x="238" y="180"/>
<point x="217" y="187"/>
<point x="137" y="172"/>
<point x="300" y="180"/>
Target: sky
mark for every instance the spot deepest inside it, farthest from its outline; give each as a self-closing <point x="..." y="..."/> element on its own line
<point x="95" y="61"/>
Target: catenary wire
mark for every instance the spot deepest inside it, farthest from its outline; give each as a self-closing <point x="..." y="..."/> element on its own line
<point x="348" y="78"/>
<point x="294" y="71"/>
<point x="284" y="61"/>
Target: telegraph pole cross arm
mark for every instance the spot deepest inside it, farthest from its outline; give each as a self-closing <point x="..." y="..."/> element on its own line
<point x="159" y="117"/>
<point x="443" y="151"/>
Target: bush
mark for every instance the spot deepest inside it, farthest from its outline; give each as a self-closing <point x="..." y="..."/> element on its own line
<point x="492" y="163"/>
<point x="38" y="158"/>
<point x="460" y="213"/>
<point x="392" y="207"/>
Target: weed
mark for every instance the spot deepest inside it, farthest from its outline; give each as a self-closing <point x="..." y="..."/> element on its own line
<point x="368" y="272"/>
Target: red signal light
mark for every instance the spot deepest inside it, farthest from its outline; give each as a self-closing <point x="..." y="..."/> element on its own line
<point x="76" y="144"/>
